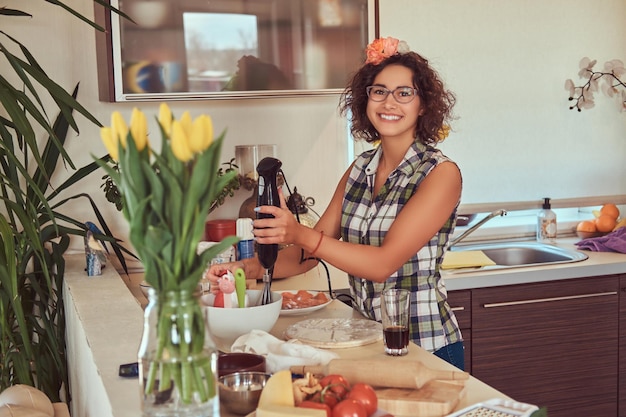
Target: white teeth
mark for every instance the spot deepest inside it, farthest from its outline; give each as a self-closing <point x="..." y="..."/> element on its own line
<point x="389" y="117"/>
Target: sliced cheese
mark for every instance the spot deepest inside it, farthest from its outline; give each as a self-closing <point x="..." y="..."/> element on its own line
<point x="277" y="390"/>
<point x="285" y="411"/>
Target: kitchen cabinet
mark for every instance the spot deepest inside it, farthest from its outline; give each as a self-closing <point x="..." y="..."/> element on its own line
<point x="194" y="49"/>
<point x="622" y="347"/>
<point x="554" y="344"/>
<point x="461" y="304"/>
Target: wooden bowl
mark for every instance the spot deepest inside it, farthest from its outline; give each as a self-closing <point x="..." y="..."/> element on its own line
<point x="587" y="235"/>
<point x="229" y="363"/>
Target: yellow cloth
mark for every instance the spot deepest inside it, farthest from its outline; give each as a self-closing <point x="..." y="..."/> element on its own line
<point x="466" y="259"/>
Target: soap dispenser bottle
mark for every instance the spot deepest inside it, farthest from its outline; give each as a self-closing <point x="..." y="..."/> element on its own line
<point x="546" y="223"/>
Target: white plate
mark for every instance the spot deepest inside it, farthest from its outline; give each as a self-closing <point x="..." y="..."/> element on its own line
<point x="335" y="333"/>
<point x="305" y="310"/>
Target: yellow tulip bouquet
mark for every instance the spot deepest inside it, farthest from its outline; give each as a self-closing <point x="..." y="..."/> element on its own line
<point x="166" y="198"/>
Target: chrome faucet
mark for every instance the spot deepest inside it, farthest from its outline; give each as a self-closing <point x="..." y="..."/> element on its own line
<point x="472" y="229"/>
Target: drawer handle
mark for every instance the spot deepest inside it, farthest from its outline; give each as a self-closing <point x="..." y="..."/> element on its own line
<point x="458" y="308"/>
<point x="543" y="300"/>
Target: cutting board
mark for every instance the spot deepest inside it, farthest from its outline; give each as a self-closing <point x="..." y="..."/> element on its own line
<point x="335" y="333"/>
<point x="435" y="399"/>
<point x="466" y="259"/>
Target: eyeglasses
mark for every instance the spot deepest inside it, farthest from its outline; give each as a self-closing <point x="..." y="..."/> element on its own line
<point x="401" y="94"/>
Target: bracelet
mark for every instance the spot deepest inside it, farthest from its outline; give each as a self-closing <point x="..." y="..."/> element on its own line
<point x="319" y="242"/>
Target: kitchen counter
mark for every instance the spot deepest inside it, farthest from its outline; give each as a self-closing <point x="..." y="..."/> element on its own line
<point x="104" y="325"/>
<point x="598" y="264"/>
<point x="476" y="391"/>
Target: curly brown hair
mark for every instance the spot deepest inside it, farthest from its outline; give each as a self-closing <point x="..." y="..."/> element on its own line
<point x="437" y="101"/>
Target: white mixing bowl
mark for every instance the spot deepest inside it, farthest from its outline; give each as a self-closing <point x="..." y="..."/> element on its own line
<point x="227" y="324"/>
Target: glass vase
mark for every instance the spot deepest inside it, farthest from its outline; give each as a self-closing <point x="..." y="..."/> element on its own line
<point x="177" y="358"/>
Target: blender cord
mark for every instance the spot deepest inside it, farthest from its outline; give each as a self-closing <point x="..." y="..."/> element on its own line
<point x="303" y="259"/>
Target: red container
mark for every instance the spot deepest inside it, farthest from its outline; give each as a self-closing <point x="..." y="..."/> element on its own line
<point x="228" y="363"/>
<point x="217" y="230"/>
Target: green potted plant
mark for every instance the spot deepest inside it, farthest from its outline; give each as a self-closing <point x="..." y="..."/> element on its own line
<point x="35" y="230"/>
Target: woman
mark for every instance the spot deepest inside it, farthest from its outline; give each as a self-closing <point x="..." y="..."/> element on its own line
<point x="392" y="213"/>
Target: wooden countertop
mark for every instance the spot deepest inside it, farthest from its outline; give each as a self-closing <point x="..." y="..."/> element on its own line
<point x="104" y="325"/>
<point x="476" y="390"/>
<point x="598" y="264"/>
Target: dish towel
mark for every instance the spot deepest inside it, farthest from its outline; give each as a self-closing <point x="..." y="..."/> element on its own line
<point x="613" y="242"/>
<point x="279" y="354"/>
<point x="466" y="259"/>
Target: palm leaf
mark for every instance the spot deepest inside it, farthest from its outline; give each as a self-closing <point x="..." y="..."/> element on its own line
<point x="34" y="229"/>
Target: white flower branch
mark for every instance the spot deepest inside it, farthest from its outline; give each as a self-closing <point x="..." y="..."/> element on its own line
<point x="609" y="80"/>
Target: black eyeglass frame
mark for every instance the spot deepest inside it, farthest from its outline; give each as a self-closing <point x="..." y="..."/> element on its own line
<point x="387" y="91"/>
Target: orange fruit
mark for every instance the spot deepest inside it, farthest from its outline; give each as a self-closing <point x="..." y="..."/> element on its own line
<point x="610" y="209"/>
<point x="588" y="226"/>
<point x="605" y="223"/>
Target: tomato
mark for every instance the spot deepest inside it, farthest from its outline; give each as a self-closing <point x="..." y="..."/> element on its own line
<point x="349" y="408"/>
<point x="337" y="384"/>
<point x="326" y="396"/>
<point x="365" y="394"/>
<point x="317" y="405"/>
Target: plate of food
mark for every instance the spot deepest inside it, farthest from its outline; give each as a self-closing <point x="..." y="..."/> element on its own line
<point x="298" y="302"/>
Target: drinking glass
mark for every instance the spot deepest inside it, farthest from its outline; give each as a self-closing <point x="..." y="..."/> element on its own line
<point x="395" y="317"/>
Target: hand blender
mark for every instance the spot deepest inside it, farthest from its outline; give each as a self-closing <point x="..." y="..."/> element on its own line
<point x="268" y="196"/>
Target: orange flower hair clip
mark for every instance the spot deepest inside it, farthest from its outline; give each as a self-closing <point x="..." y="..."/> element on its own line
<point x="382" y="48"/>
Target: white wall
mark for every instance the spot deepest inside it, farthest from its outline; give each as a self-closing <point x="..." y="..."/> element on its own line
<point x="506" y="60"/>
<point x="311" y="136"/>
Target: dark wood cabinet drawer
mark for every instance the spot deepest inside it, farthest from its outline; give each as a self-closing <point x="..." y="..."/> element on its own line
<point x="461" y="303"/>
<point x="622" y="347"/>
<point x="553" y="344"/>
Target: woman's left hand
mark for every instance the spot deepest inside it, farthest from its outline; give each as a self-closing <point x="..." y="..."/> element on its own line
<point x="281" y="229"/>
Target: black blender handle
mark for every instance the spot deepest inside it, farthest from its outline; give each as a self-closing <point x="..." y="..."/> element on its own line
<point x="268" y="170"/>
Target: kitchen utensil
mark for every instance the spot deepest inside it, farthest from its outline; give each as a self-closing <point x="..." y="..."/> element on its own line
<point x="229" y="363"/>
<point x="587" y="235"/>
<point x="335" y="333"/>
<point x="227" y="324"/>
<point x="465" y="219"/>
<point x="392" y="373"/>
<point x="219" y="229"/>
<point x="298" y="311"/>
<point x="497" y="408"/>
<point x="394" y="306"/>
<point x="434" y="399"/>
<point x="240" y="391"/>
<point x="240" y="287"/>
<point x="268" y="170"/>
<point x="267" y="287"/>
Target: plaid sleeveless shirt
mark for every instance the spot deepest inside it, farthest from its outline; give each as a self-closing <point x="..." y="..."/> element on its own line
<point x="366" y="220"/>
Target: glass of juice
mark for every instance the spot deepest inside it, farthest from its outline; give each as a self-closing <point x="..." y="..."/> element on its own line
<point x="395" y="317"/>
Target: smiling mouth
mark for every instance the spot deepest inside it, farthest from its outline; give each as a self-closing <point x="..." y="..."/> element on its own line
<point x="390" y="117"/>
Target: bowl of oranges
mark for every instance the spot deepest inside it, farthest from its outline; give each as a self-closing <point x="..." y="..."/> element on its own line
<point x="605" y="221"/>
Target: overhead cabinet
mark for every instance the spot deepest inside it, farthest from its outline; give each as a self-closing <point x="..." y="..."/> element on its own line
<point x="193" y="49"/>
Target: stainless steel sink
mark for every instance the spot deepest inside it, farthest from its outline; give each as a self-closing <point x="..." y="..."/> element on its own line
<point x="523" y="254"/>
